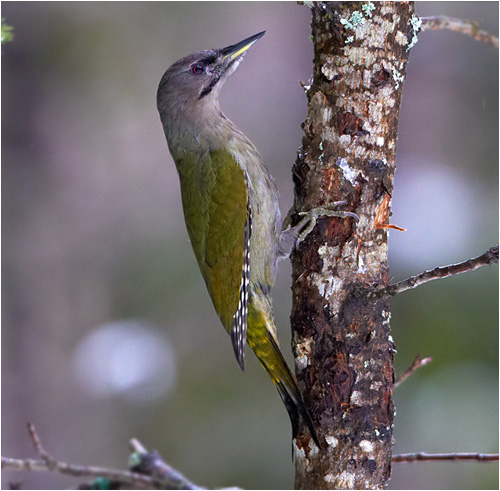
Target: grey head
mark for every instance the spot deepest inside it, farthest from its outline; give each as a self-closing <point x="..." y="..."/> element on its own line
<point x="189" y="88"/>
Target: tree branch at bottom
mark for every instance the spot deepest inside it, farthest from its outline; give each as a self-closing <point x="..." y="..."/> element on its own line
<point x="138" y="481"/>
<point x="165" y="477"/>
<point x="148" y="469"/>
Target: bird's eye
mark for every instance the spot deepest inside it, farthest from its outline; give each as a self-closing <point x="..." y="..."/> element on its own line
<point x="198" y="69"/>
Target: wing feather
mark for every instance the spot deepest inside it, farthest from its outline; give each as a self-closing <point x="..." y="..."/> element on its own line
<point x="214" y="195"/>
<point x="239" y="323"/>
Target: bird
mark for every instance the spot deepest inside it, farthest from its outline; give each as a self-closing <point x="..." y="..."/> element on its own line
<point x="231" y="210"/>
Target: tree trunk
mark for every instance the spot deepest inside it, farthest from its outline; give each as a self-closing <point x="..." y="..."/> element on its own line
<point x="343" y="349"/>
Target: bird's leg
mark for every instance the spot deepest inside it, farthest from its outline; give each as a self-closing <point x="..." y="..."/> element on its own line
<point x="311" y="217"/>
<point x="293" y="236"/>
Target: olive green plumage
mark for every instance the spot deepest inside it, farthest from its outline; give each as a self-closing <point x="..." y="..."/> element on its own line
<point x="231" y="209"/>
<point x="214" y="201"/>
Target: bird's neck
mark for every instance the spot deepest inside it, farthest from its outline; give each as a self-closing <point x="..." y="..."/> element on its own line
<point x="193" y="129"/>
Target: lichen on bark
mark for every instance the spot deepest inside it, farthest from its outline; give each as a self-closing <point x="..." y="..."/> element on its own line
<point x="343" y="349"/>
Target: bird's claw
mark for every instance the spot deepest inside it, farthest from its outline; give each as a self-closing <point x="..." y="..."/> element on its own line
<point x="312" y="216"/>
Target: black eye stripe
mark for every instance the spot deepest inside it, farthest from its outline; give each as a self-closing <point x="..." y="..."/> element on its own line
<point x="209" y="87"/>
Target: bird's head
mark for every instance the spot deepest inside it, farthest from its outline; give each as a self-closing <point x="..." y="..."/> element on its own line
<point x="196" y="79"/>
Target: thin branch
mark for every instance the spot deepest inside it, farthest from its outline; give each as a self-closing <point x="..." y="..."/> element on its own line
<point x="417" y="363"/>
<point x="422" y="457"/>
<point x="137" y="446"/>
<point x="149" y="471"/>
<point x="466" y="27"/>
<point x="138" y="481"/>
<point x="152" y="464"/>
<point x="489" y="257"/>
<point x="165" y="479"/>
<point x="38" y="446"/>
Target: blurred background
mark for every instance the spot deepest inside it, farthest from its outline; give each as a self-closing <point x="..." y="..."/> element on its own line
<point x="108" y="332"/>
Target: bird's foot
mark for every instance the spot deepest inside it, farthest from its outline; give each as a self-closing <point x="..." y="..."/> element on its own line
<point x="306" y="225"/>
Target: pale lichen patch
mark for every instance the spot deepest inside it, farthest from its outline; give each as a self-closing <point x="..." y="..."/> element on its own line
<point x="356" y="398"/>
<point x="328" y="71"/>
<point x="416" y="24"/>
<point x="388" y="26"/>
<point x="386" y="9"/>
<point x="366" y="446"/>
<point x="401" y="38"/>
<point x="354" y="21"/>
<point x="303" y="354"/>
<point x="332" y="441"/>
<point x="349" y="173"/>
<point x="367" y="8"/>
<point x="360" y="55"/>
<point x="346" y="480"/>
<point x="376" y="113"/>
<point x="301" y="362"/>
<point x="365" y="222"/>
<point x="329" y="288"/>
<point x="329" y="134"/>
<point x="360" y="151"/>
<point x="313" y="449"/>
<point x="345" y="140"/>
<point x="367" y="78"/>
<point x="329" y="477"/>
<point x="361" y="266"/>
<point x="301" y="460"/>
<point x="299" y="452"/>
<point x="327" y="115"/>
<point x="353" y="79"/>
<point x="376" y="38"/>
<point x="397" y="76"/>
<point x="329" y="253"/>
<point x="328" y="67"/>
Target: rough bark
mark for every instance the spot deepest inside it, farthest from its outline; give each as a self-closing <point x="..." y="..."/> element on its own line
<point x="343" y="349"/>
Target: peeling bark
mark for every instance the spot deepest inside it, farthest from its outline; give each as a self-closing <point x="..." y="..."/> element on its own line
<point x="342" y="345"/>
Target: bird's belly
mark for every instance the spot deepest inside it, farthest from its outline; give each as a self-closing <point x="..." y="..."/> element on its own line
<point x="266" y="226"/>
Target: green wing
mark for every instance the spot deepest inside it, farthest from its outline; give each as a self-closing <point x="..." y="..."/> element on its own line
<point x="214" y="197"/>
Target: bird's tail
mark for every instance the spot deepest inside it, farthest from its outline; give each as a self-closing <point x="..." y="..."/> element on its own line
<point x="264" y="345"/>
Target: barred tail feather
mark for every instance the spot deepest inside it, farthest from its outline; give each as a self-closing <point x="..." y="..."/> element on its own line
<point x="269" y="354"/>
<point x="293" y="401"/>
<point x="296" y="407"/>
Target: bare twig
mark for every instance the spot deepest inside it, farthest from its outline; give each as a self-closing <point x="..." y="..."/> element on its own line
<point x="489" y="257"/>
<point x="466" y="27"/>
<point x="138" y="481"/>
<point x="422" y="457"/>
<point x="39" y="447"/>
<point x="168" y="478"/>
<point x="149" y="471"/>
<point x="417" y="363"/>
<point x="152" y="464"/>
<point x="137" y="446"/>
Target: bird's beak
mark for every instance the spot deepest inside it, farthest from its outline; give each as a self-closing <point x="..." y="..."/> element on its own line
<point x="230" y="53"/>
